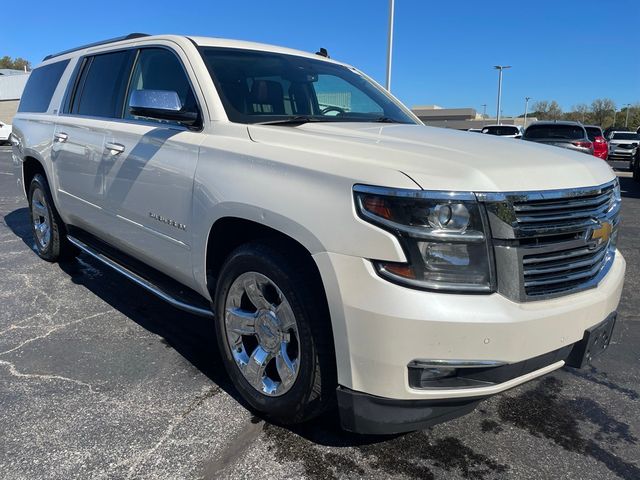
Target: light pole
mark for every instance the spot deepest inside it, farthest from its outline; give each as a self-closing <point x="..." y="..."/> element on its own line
<point x="626" y="120"/>
<point x="526" y="109"/>
<point x="390" y="43"/>
<point x="500" y="68"/>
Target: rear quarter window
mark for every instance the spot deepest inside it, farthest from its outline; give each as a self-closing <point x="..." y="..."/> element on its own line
<point x="40" y="87"/>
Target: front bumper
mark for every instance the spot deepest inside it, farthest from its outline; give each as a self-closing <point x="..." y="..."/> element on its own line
<point x="380" y="327"/>
<point x="368" y="414"/>
<point x="622" y="153"/>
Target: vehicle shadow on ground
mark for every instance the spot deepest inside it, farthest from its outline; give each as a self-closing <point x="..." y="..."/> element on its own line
<point x="191" y="336"/>
<point x="629" y="187"/>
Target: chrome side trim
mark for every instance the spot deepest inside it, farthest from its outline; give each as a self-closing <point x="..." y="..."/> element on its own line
<point x="139" y="280"/>
<point x="455" y="363"/>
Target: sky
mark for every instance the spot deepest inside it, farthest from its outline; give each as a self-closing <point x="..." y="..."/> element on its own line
<point x="571" y="51"/>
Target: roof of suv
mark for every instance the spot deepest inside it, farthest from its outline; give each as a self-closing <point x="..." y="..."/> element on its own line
<point x="556" y="122"/>
<point x="199" y="41"/>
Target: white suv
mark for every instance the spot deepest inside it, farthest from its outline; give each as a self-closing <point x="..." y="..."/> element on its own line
<point x="5" y="133"/>
<point x="345" y="253"/>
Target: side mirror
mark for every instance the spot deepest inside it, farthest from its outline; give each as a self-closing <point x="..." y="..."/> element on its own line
<point x="160" y="105"/>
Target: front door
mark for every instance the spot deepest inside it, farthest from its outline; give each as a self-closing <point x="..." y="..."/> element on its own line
<point x="148" y="188"/>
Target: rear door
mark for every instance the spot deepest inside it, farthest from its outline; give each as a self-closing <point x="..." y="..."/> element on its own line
<point x="78" y="153"/>
<point x="148" y="185"/>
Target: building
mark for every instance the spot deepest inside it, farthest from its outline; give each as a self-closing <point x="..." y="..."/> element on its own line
<point x="460" y="118"/>
<point x="12" y="84"/>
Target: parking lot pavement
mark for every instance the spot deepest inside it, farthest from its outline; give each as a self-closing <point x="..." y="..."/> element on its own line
<point x="98" y="379"/>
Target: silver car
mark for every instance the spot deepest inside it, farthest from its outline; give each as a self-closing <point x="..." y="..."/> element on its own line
<point x="623" y="145"/>
<point x="571" y="135"/>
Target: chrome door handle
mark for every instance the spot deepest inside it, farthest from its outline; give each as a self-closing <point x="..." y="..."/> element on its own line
<point x="114" y="148"/>
<point x="61" y="137"/>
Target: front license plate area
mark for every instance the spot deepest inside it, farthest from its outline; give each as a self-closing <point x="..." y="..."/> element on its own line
<point x="595" y="341"/>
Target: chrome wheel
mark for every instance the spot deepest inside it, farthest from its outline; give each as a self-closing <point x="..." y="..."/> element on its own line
<point x="262" y="334"/>
<point x="40" y="218"/>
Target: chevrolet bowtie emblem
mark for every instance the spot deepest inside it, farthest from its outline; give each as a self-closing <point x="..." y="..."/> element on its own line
<point x="602" y="234"/>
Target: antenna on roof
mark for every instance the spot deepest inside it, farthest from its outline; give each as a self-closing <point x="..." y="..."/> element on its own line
<point x="323" y="53"/>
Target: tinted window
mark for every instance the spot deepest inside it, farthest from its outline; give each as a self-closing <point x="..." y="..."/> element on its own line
<point x="260" y="86"/>
<point x="160" y="69"/>
<point x="102" y="85"/>
<point x="562" y="132"/>
<point x="593" y="132"/>
<point x="625" y="136"/>
<point x="501" y="130"/>
<point x="40" y="87"/>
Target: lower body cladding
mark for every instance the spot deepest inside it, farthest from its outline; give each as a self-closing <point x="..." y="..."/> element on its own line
<point x="408" y="359"/>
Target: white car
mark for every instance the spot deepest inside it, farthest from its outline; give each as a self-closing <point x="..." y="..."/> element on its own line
<point x="509" y="131"/>
<point x="5" y="133"/>
<point x="344" y="254"/>
<point x="623" y="145"/>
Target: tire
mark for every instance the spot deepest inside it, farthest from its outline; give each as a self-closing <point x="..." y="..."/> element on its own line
<point x="292" y="293"/>
<point x="49" y="231"/>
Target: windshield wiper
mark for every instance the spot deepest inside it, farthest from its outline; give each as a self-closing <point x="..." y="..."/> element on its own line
<point x="296" y="120"/>
<point x="386" y="120"/>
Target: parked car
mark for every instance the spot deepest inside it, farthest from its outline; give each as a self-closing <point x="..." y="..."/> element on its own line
<point x="570" y="135"/>
<point x="635" y="166"/>
<point x="511" y="131"/>
<point x="339" y="252"/>
<point x="600" y="145"/>
<point x="5" y="133"/>
<point x="623" y="146"/>
<point x="474" y="130"/>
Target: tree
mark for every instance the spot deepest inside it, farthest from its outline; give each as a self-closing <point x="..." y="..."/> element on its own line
<point x="602" y="109"/>
<point x="545" y="110"/>
<point x="17" y="63"/>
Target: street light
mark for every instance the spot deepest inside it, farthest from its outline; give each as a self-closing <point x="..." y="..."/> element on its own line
<point x="526" y="109"/>
<point x="390" y="43"/>
<point x="500" y="68"/>
<point x="626" y="121"/>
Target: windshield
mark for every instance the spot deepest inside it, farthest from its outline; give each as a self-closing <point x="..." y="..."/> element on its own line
<point x="564" y="132"/>
<point x="501" y="130"/>
<point x="258" y="86"/>
<point x="625" y="136"/>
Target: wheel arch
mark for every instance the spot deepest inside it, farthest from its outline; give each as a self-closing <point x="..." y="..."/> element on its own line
<point x="229" y="232"/>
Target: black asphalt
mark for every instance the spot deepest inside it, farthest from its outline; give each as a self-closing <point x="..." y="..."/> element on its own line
<point x="98" y="379"/>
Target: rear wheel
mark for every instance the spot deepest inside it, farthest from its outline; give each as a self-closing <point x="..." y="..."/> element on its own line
<point x="49" y="231"/>
<point x="274" y="334"/>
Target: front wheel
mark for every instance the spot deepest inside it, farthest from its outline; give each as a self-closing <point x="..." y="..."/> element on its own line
<point x="274" y="334"/>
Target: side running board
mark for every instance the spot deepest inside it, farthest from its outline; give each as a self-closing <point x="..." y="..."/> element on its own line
<point x="163" y="294"/>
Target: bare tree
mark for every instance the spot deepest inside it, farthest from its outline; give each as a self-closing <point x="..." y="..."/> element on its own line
<point x="602" y="108"/>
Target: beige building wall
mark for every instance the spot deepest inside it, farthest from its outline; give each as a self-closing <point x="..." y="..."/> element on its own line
<point x="8" y="109"/>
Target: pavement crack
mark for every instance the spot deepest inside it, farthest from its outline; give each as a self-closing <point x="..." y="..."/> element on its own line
<point x="14" y="372"/>
<point x="49" y="332"/>
<point x="139" y="459"/>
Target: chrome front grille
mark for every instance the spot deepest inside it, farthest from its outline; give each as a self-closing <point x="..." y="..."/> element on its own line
<point x="552" y="243"/>
<point x="562" y="270"/>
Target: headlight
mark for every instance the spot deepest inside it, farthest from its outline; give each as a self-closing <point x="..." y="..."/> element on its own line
<point x="442" y="234"/>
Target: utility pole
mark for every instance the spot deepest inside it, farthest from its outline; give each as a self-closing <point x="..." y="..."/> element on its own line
<point x="390" y="43"/>
<point x="526" y="109"/>
<point x="500" y="68"/>
<point x="626" y="120"/>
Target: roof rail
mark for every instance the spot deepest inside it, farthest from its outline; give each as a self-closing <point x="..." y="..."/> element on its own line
<point x="95" y="44"/>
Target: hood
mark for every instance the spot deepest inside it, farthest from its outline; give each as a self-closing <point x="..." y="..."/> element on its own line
<point x="441" y="159"/>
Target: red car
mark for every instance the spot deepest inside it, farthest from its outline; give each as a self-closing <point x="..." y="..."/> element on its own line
<point x="600" y="145"/>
